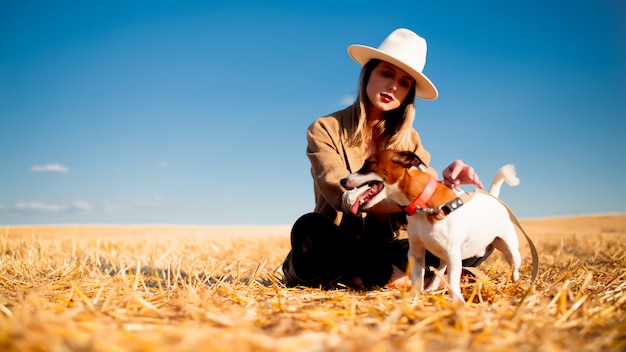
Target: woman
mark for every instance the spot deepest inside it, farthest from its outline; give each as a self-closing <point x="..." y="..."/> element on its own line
<point x="331" y="247"/>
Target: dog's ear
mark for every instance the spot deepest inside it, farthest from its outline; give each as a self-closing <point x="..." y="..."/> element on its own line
<point x="407" y="159"/>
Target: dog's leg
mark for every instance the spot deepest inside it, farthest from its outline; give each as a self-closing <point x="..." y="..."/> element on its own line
<point x="508" y="245"/>
<point x="455" y="269"/>
<point x="417" y="255"/>
<point x="434" y="284"/>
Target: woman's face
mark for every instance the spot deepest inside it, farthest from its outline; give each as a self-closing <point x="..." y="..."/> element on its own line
<point x="387" y="87"/>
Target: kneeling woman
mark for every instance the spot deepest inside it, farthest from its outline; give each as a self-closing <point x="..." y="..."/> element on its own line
<point x="331" y="247"/>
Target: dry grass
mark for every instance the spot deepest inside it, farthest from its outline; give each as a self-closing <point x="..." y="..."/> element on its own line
<point x="219" y="289"/>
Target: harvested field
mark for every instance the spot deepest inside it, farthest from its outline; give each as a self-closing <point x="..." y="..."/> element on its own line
<point x="165" y="288"/>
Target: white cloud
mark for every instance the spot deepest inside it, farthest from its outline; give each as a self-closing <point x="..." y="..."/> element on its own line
<point x="112" y="207"/>
<point x="152" y="202"/>
<point x="79" y="206"/>
<point x="38" y="207"/>
<point x="347" y="100"/>
<point x="50" y="168"/>
<point x="41" y="207"/>
<point x="162" y="164"/>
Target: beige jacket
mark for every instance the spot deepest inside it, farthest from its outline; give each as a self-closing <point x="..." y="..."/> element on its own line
<point x="332" y="159"/>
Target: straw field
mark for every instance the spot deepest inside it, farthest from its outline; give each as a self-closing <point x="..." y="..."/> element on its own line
<point x="219" y="289"/>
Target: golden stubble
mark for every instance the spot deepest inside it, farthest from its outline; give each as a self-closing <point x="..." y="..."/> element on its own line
<point x="163" y="288"/>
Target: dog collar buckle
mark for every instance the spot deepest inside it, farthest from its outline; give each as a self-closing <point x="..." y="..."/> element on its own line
<point x="428" y="211"/>
<point x="445" y="209"/>
<point x="451" y="206"/>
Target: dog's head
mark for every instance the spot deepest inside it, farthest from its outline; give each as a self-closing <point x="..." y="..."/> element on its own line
<point x="379" y="177"/>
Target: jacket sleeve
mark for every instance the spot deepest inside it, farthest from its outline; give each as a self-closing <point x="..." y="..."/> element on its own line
<point x="328" y="160"/>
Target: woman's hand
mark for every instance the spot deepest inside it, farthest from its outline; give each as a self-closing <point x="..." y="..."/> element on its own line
<point x="459" y="173"/>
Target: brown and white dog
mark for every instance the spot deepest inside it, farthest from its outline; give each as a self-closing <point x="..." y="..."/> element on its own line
<point x="451" y="224"/>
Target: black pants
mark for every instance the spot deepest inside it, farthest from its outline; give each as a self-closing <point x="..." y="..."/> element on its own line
<point x="325" y="255"/>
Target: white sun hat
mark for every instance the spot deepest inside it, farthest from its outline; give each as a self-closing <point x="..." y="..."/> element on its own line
<point x="404" y="49"/>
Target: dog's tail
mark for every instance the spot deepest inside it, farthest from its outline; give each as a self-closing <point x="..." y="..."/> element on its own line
<point x="505" y="174"/>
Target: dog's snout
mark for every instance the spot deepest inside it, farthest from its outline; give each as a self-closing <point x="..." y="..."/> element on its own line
<point x="344" y="181"/>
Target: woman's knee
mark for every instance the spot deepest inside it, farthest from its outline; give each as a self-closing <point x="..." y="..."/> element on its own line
<point x="312" y="229"/>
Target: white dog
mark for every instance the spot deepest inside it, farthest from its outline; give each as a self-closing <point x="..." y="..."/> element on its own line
<point x="451" y="224"/>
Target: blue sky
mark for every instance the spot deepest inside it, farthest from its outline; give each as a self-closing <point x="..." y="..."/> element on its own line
<point x="186" y="112"/>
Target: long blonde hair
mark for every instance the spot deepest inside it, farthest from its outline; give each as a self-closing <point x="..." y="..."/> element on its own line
<point x="394" y="130"/>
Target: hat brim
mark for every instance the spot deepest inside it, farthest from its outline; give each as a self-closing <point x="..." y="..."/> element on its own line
<point x="424" y="88"/>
